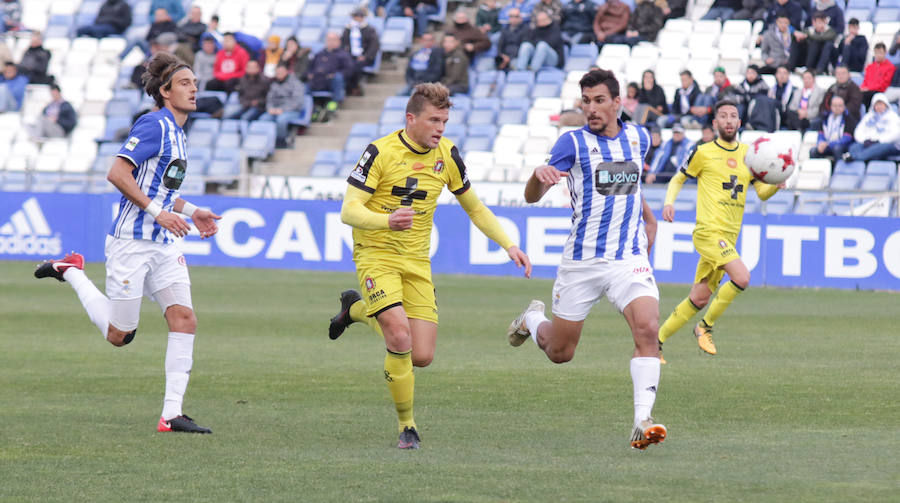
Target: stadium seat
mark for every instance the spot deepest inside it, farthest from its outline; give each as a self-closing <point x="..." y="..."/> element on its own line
<point x="844" y="181"/>
<point x="876" y="183"/>
<point x="811" y="203"/>
<point x="455" y="131"/>
<point x="852" y="168"/>
<point x="781" y="203"/>
<point x="44" y="182"/>
<point x="225" y="165"/>
<point x="888" y="168"/>
<point x="206" y="125"/>
<point x="323" y="169"/>
<point x="386" y="128"/>
<point x="201" y="139"/>
<point x="886" y="14"/>
<point x="398" y="34"/>
<point x="357" y="143"/>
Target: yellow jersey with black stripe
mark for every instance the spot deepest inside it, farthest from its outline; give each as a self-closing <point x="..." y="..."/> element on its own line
<point x="399" y="173"/>
<point x="722" y="184"/>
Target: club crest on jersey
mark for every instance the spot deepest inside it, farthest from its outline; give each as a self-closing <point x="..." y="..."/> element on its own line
<point x="723" y="244"/>
<point x="438" y="166"/>
<point x="370" y="283"/>
<point x="132" y="143"/>
<point x="731" y="163"/>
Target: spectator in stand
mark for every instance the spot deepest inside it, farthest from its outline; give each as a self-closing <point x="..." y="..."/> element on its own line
<point x="162" y="23"/>
<point x="833" y="13"/>
<point x="878" y="76"/>
<point x="655" y="144"/>
<point x="651" y="100"/>
<point x="192" y="29"/>
<point x="722" y="10"/>
<point x="524" y="7"/>
<point x="205" y="61"/>
<point x="175" y="8"/>
<point x="273" y="54"/>
<point x="252" y="89"/>
<point x="878" y="133"/>
<point x="854" y="48"/>
<point x="113" y="18"/>
<point x="674" y="9"/>
<point x="752" y="10"/>
<point x="11" y="16"/>
<point x="419" y="10"/>
<point x="845" y="88"/>
<point x="361" y="41"/>
<point x="893" y="92"/>
<point x="456" y="65"/>
<point x="707" y="134"/>
<point x="894" y="52"/>
<point x="543" y="46"/>
<point x="553" y="9"/>
<point x="670" y="157"/>
<point x="296" y="57"/>
<point x="752" y="86"/>
<point x="721" y="87"/>
<point x="792" y="8"/>
<point x="630" y="102"/>
<point x="511" y="38"/>
<point x="212" y="29"/>
<point x="425" y="65"/>
<point x="804" y="107"/>
<point x="686" y="97"/>
<point x="35" y="61"/>
<point x="254" y="46"/>
<point x="470" y="38"/>
<point x="783" y="93"/>
<point x="611" y="19"/>
<point x="284" y="102"/>
<point x="776" y="44"/>
<point x="330" y="69"/>
<point x="817" y="43"/>
<point x="58" y="118"/>
<point x="645" y="23"/>
<point x="12" y="88"/>
<point x="487" y="17"/>
<point x="578" y="22"/>
<point x="836" y="133"/>
<point x="231" y="63"/>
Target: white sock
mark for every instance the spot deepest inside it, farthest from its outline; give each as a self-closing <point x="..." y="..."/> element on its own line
<point x="95" y="303"/>
<point x="533" y="320"/>
<point x="645" y="377"/>
<point x="179" y="359"/>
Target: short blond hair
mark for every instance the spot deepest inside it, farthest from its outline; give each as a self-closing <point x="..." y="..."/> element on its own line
<point x="433" y="93"/>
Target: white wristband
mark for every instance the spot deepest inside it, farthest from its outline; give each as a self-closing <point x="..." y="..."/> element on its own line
<point x="188" y="209"/>
<point x="154" y="209"/>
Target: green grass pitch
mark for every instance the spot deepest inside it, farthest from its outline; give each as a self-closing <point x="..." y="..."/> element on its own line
<point x="799" y="405"/>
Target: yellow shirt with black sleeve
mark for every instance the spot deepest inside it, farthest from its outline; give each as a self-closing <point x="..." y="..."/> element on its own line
<point x="722" y="183"/>
<point x="393" y="267"/>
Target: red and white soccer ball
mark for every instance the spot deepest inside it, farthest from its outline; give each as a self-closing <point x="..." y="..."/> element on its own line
<point x="770" y="160"/>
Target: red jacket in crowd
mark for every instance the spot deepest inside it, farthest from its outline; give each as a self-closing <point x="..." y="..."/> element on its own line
<point x="230" y="65"/>
<point x="878" y="76"/>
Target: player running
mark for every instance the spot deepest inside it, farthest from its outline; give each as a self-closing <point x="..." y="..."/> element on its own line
<point x="722" y="182"/>
<point x="141" y="256"/>
<point x="606" y="252"/>
<point x="390" y="203"/>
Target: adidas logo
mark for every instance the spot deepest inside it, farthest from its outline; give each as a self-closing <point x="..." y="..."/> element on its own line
<point x="652" y="389"/>
<point x="595" y="151"/>
<point x="27" y="233"/>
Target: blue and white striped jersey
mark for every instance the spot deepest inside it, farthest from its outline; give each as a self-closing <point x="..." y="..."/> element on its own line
<point x="605" y="184"/>
<point x="157" y="148"/>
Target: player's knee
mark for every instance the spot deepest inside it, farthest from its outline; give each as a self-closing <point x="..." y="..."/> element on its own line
<point x="118" y="337"/>
<point x="700" y="301"/>
<point x="742" y="280"/>
<point x="181" y="319"/>
<point x="422" y="360"/>
<point x="561" y="355"/>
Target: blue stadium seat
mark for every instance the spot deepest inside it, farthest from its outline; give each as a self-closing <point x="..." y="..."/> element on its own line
<point x="781" y="203"/>
<point x="376" y="22"/>
<point x="285" y="22"/>
<point x="259" y="142"/>
<point x="807" y="207"/>
<point x="456" y="131"/>
<point x="198" y="158"/>
<point x="849" y="168"/>
<point x="337" y="22"/>
<point x="224" y="169"/>
<point x="369" y="129"/>
<point x="861" y="4"/>
<point x="862" y="14"/>
<point x="305" y="113"/>
<point x="398" y="34"/>
<point x="386" y="128"/>
<point x="471" y="143"/>
<point x="550" y="75"/>
<point x="350" y="157"/>
<point x="204" y="139"/>
<point x="546" y="90"/>
<point x="69" y="184"/>
<point x="375" y="66"/>
<point x="389" y="116"/>
<point x="357" y="143"/>
<point x="226" y="140"/>
<point x="113" y="125"/>
<point x="511" y="116"/>
<point x="44" y="182"/>
<point x="395" y="102"/>
<point x="119" y="108"/>
<point x="482" y="116"/>
<point x="323" y="169"/>
<point x="886" y="15"/>
<point x="233" y="126"/>
<point x="90" y="7"/>
<point x="876" y="183"/>
<point x="844" y="181"/>
<point x="315" y="10"/>
<point x="192" y="185"/>
<point x="462" y="102"/>
<point x="888" y="168"/>
<point x="889" y="3"/>
<point x="458" y="115"/>
<point x="209" y="125"/>
<point x="309" y="35"/>
<point x="328" y="156"/>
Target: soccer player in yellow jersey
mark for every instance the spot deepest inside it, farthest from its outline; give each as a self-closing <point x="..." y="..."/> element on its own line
<point x="722" y="184"/>
<point x="390" y="203"/>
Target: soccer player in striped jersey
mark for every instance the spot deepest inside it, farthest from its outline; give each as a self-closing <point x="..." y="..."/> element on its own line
<point x="141" y="256"/>
<point x="606" y="252"/>
<point x="722" y="184"/>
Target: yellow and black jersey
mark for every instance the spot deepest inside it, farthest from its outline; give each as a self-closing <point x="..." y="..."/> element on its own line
<point x="398" y="172"/>
<point x="722" y="183"/>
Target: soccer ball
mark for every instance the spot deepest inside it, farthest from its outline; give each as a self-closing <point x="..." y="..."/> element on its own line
<point x="770" y="160"/>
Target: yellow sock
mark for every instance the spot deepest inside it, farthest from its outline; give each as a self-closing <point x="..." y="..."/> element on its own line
<point x="727" y="293"/>
<point x="682" y="314"/>
<point x="398" y="372"/>
<point x="358" y="313"/>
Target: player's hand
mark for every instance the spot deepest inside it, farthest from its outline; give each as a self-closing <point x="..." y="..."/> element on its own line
<point x="205" y="221"/>
<point x="173" y="223"/>
<point x="548" y="175"/>
<point x="668" y="213"/>
<point x="520" y="258"/>
<point x="401" y="219"/>
<point x="782" y="185"/>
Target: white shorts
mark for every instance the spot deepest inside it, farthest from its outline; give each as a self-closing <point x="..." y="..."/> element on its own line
<point x="579" y="285"/>
<point x="138" y="267"/>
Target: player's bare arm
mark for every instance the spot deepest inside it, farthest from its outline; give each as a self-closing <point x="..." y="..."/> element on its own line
<point x="204" y="220"/>
<point x="120" y="176"/>
<point x="540" y="182"/>
<point x="649" y="224"/>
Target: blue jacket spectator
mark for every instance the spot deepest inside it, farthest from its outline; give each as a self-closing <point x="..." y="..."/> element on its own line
<point x="669" y="157"/>
<point x="543" y="47"/>
<point x="12" y="88"/>
<point x="853" y="48"/>
<point x="58" y="118"/>
<point x="793" y="10"/>
<point x="10" y="15"/>
<point x="425" y="65"/>
<point x="175" y="8"/>
<point x="331" y="68"/>
<point x="578" y="21"/>
<point x="113" y="18"/>
<point x="836" y="134"/>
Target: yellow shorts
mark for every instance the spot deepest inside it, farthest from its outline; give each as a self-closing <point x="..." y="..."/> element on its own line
<point x="716" y="249"/>
<point x="386" y="282"/>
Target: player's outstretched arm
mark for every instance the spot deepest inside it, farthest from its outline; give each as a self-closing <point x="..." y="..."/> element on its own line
<point x="487" y="223"/>
<point x="204" y="220"/>
<point x="120" y="176"/>
<point x="765" y="190"/>
<point x="672" y="191"/>
<point x="540" y="182"/>
<point x="649" y="224"/>
<point x="355" y="214"/>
